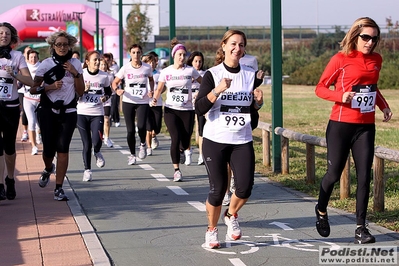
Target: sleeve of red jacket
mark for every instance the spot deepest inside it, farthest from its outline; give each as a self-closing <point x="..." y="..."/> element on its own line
<point x="328" y="78"/>
<point x="381" y="102"/>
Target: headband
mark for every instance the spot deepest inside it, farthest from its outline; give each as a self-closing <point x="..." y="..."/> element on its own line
<point x="178" y="47"/>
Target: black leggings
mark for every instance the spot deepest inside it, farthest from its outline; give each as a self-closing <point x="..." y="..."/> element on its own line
<point x="180" y="125"/>
<point x="154" y="119"/>
<point x="129" y="112"/>
<point x="115" y="108"/>
<point x="242" y="161"/>
<point x="341" y="138"/>
<point x="91" y="132"/>
<point x="9" y="121"/>
<point x="24" y="119"/>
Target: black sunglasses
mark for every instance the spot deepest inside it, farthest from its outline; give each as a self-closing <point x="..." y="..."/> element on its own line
<point x="366" y="38"/>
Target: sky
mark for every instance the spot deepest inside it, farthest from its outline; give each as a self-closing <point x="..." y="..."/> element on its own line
<point x="257" y="12"/>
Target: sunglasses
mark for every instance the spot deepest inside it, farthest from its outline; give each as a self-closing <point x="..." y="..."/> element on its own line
<point x="59" y="45"/>
<point x="367" y="38"/>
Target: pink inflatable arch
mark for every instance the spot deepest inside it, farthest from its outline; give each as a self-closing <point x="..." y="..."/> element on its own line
<point x="37" y="21"/>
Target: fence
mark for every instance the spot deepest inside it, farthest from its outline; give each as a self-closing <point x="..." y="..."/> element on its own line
<point x="380" y="154"/>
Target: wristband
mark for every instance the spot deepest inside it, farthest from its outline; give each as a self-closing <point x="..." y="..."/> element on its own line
<point x="215" y="93"/>
<point x="258" y="106"/>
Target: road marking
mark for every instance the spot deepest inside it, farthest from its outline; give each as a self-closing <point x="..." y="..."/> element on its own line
<point x="146" y="167"/>
<point x="283" y="226"/>
<point x="117" y="146"/>
<point x="126" y="152"/>
<point x="237" y="262"/>
<point x="177" y="190"/>
<point x="198" y="205"/>
<point x="160" y="177"/>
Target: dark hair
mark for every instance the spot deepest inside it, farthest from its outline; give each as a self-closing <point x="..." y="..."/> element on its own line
<point x="102" y="59"/>
<point x="108" y="56"/>
<point x="191" y="58"/>
<point x="219" y="53"/>
<point x="153" y="54"/>
<point x="14" y="32"/>
<point x="76" y="52"/>
<point x="135" y="45"/>
<point x="32" y="52"/>
<point x="87" y="57"/>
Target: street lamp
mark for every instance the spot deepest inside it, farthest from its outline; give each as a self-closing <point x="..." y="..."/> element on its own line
<point x="97" y="5"/>
<point x="79" y="14"/>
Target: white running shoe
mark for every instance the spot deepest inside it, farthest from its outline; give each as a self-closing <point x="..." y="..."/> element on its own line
<point x="200" y="160"/>
<point x="149" y="151"/>
<point x="117" y="124"/>
<point x="100" y="162"/>
<point x="131" y="160"/>
<point x="108" y="142"/>
<point x="87" y="175"/>
<point x="34" y="150"/>
<point x="211" y="239"/>
<point x="25" y="136"/>
<point x="188" y="154"/>
<point x="143" y="151"/>
<point x="233" y="228"/>
<point x="154" y="143"/>
<point x="226" y="199"/>
<point x="177" y="176"/>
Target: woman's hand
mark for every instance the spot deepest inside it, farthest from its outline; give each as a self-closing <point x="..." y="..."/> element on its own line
<point x="68" y="66"/>
<point x="348" y="96"/>
<point x="223" y="85"/>
<point x="260" y="74"/>
<point x="387" y="114"/>
<point x="258" y="97"/>
<point x="119" y="92"/>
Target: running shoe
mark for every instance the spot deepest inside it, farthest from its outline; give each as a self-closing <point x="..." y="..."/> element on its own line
<point x="322" y="225"/>
<point x="143" y="151"/>
<point x="182" y="157"/>
<point x="363" y="236"/>
<point x="38" y="138"/>
<point x="10" y="191"/>
<point x="87" y="175"/>
<point x="100" y="162"/>
<point x="200" y="160"/>
<point x="60" y="195"/>
<point x="34" y="150"/>
<point x="131" y="160"/>
<point x="2" y="192"/>
<point x="233" y="228"/>
<point x="25" y="136"/>
<point x="211" y="239"/>
<point x="108" y="142"/>
<point x="117" y="124"/>
<point x="177" y="176"/>
<point x="187" y="154"/>
<point x="45" y="177"/>
<point x="154" y="143"/>
<point x="226" y="199"/>
<point x="149" y="151"/>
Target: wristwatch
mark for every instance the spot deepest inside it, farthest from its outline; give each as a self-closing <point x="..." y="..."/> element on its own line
<point x="77" y="76"/>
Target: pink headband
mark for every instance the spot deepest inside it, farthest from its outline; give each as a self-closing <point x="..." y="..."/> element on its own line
<point x="178" y="47"/>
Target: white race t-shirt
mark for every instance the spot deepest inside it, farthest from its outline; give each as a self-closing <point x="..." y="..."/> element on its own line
<point x="178" y="83"/>
<point x="27" y="94"/>
<point x="8" y="84"/>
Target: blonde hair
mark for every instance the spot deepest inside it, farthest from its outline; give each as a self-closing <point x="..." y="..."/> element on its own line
<point x="349" y="42"/>
<point x="52" y="39"/>
<point x="219" y="58"/>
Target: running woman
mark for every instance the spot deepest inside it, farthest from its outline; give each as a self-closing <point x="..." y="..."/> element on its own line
<point x="354" y="73"/>
<point x="139" y="88"/>
<point x="58" y="80"/>
<point x="179" y="113"/>
<point x="91" y="111"/>
<point x="13" y="68"/>
<point x="107" y="105"/>
<point x="230" y="96"/>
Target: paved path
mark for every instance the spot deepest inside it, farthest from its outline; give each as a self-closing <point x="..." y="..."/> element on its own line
<point x="136" y="215"/>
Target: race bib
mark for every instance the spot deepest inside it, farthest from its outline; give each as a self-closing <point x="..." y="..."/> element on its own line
<point x="364" y="98"/>
<point x="234" y="118"/>
<point x="92" y="97"/>
<point x="6" y="88"/>
<point x="178" y="96"/>
<point x="137" y="90"/>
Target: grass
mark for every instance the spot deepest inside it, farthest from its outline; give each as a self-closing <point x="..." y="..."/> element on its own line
<point x="304" y="112"/>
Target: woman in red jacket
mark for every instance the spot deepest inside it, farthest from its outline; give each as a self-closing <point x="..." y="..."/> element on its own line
<point x="354" y="73"/>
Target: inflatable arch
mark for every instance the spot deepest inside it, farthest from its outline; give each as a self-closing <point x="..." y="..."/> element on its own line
<point x="37" y="21"/>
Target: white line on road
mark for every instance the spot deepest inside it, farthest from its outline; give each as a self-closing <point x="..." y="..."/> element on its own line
<point x="237" y="262"/>
<point x="177" y="190"/>
<point x="198" y="205"/>
<point x="117" y="146"/>
<point x="146" y="167"/>
<point x="159" y="177"/>
<point x="126" y="152"/>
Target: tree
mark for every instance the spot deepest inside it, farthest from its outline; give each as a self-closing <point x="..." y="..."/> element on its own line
<point x="138" y="27"/>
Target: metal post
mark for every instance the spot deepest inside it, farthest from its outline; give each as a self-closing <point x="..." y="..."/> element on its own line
<point x="97" y="6"/>
<point x="102" y="40"/>
<point x="172" y="25"/>
<point x="120" y="33"/>
<point x="277" y="103"/>
<point x="80" y="34"/>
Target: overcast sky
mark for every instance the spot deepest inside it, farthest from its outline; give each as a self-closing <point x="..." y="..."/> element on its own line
<point x="257" y="12"/>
